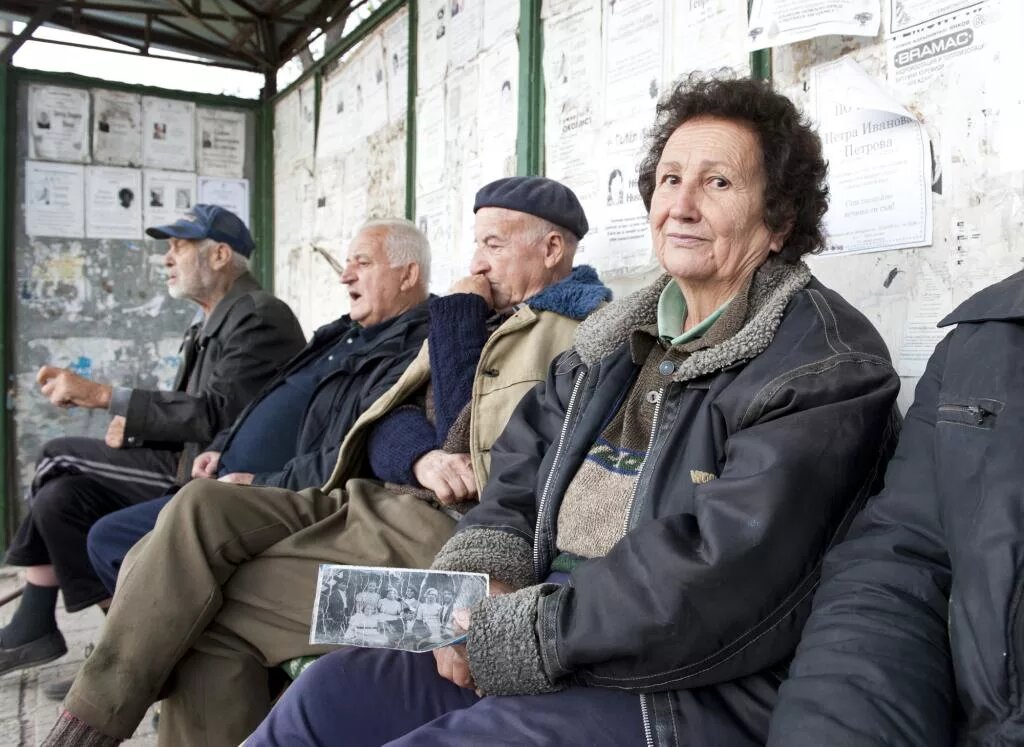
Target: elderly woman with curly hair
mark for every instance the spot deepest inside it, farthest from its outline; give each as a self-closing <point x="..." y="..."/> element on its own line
<point x="658" y="509"/>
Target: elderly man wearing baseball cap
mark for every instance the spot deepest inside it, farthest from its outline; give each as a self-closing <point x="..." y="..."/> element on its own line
<point x="242" y="336"/>
<point x="225" y="584"/>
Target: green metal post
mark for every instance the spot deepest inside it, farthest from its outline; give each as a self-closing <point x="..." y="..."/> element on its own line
<point x="263" y="192"/>
<point x="8" y="94"/>
<point x="410" y="114"/>
<point x="761" y="60"/>
<point x="530" y="122"/>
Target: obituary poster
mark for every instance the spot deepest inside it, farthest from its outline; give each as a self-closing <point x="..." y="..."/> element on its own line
<point x="57" y="123"/>
<point x="880" y="173"/>
<point x="432" y="43"/>
<point x="632" y="56"/>
<point x="116" y="128"/>
<point x="716" y="37"/>
<point x="221" y="142"/>
<point x="232" y="194"/>
<point x="54" y="199"/>
<point x="168" y="134"/>
<point x="777" y="22"/>
<point x="396" y="67"/>
<point x="112" y="203"/>
<point x="167" y="195"/>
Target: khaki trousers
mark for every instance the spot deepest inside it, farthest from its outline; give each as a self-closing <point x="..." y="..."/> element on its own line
<point x="222" y="589"/>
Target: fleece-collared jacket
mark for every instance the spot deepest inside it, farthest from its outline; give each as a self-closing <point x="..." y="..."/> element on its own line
<point x="514" y="358"/>
<point x="361" y="376"/>
<point x="226" y="360"/>
<point x="763" y="447"/>
<point x="917" y="634"/>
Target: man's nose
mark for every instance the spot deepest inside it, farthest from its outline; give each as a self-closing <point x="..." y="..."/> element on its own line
<point x="477" y="265"/>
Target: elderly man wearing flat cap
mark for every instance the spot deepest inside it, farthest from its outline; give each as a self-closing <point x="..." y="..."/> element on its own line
<point x="241" y="336"/>
<point x="224" y="587"/>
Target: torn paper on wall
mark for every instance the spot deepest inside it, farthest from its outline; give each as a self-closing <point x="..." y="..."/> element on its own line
<point x="776" y="22"/>
<point x="57" y="123"/>
<point x="880" y="172"/>
<point x="117" y="128"/>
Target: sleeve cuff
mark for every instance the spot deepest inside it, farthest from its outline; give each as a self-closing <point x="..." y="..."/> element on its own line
<point x="119" y="399"/>
<point x="501" y="555"/>
<point x="503" y="646"/>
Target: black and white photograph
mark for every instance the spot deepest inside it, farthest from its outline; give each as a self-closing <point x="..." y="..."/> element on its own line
<point x="396" y="608"/>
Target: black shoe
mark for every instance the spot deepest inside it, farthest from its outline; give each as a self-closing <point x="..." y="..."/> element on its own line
<point x="47" y="648"/>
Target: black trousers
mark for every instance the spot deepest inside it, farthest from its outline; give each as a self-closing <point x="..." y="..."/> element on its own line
<point x="77" y="482"/>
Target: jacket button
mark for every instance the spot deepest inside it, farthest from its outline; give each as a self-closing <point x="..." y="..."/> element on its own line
<point x="131" y="439"/>
<point x="666" y="368"/>
<point x="492" y="372"/>
<point x="653" y="396"/>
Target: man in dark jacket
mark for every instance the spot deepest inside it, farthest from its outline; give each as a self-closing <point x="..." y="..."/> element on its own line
<point x="917" y="633"/>
<point x="289" y="436"/>
<point x="242" y="338"/>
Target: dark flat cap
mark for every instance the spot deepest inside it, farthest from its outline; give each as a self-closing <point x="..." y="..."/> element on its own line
<point x="538" y="196"/>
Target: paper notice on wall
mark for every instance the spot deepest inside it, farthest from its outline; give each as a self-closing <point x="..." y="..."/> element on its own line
<point x="306" y="140"/>
<point x="221" y="142"/>
<point x="366" y="90"/>
<point x="117" y="128"/>
<point x="906" y="13"/>
<point x="501" y="18"/>
<point x="632" y="56"/>
<point x="461" y="119"/>
<point x="621" y="242"/>
<point x="432" y="43"/>
<point x="922" y="52"/>
<point x="715" y="34"/>
<point x="430" y="140"/>
<point x="330" y="193"/>
<point x="572" y="81"/>
<point x="776" y="22"/>
<point x="57" y="123"/>
<point x="931" y="301"/>
<point x="168" y="134"/>
<point x="167" y="195"/>
<point x="113" y="203"/>
<point x="54" y="199"/>
<point x="880" y="173"/>
<point x="465" y="27"/>
<point x="396" y="55"/>
<point x="433" y="218"/>
<point x="336" y="126"/>
<point x="232" y="194"/>
<point x="499" y="105"/>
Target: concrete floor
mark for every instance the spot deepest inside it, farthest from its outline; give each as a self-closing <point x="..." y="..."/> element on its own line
<point x="26" y="714"/>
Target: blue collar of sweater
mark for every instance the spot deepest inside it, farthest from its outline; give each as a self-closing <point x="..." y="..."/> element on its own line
<point x="576" y="296"/>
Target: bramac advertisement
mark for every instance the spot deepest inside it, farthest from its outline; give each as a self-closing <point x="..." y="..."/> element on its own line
<point x="879" y="163"/>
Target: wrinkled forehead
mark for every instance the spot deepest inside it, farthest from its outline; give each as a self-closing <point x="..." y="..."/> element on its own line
<point x="367" y="243"/>
<point x="713" y="141"/>
<point x="505" y="224"/>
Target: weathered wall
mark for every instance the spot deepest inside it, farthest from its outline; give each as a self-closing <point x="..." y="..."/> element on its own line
<point x="99" y="307"/>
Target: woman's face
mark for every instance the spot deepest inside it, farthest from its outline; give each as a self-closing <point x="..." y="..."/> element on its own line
<point x="707" y="219"/>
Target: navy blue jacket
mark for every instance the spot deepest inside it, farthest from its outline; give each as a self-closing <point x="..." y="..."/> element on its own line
<point x="917" y="634"/>
<point x="358" y="381"/>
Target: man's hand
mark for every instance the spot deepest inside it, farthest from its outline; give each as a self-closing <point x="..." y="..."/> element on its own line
<point x="205" y="465"/>
<point x="238" y="478"/>
<point x="475" y="284"/>
<point x="115" y="432"/>
<point x="66" y="389"/>
<point x="449" y="476"/>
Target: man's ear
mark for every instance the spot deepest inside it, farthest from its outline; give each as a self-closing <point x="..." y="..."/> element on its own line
<point x="410" y="277"/>
<point x="220" y="256"/>
<point x="554" y="250"/>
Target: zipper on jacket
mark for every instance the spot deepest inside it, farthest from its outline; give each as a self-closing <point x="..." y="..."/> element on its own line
<point x="977" y="412"/>
<point x="648" y="730"/>
<point x="551" y="472"/>
<point x="640" y="472"/>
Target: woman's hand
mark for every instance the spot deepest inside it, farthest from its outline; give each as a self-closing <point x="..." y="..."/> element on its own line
<point x="452" y="661"/>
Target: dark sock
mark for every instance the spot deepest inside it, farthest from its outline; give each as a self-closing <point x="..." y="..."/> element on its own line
<point x="35" y="617"/>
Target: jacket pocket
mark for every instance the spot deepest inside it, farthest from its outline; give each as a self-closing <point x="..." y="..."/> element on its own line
<point x="975" y="413"/>
<point x="1015" y="665"/>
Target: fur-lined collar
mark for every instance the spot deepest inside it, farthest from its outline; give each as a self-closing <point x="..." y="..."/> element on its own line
<point x="774" y="284"/>
<point x="575" y="296"/>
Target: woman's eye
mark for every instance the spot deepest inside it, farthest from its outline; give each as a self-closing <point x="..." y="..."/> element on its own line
<point x="670" y="179"/>
<point x="719" y="182"/>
